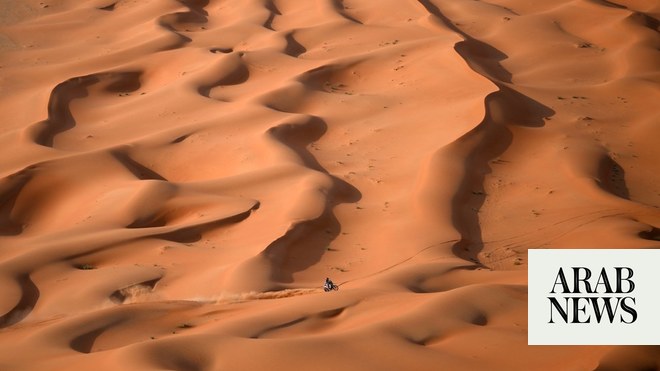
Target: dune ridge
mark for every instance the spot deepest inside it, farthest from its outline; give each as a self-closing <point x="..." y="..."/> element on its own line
<point x="181" y="175"/>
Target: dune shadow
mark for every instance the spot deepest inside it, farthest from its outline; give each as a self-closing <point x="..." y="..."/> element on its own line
<point x="29" y="297"/>
<point x="238" y="75"/>
<point x="293" y="47"/>
<point x="10" y="189"/>
<point x="196" y="12"/>
<point x="505" y="107"/>
<point x="122" y="82"/>
<point x="630" y="357"/>
<point x="653" y="234"/>
<point x="612" y="178"/>
<point x="189" y="234"/>
<point x="220" y="50"/>
<point x="184" y="21"/>
<point x="493" y="139"/>
<point x="263" y="332"/>
<point x="60" y="117"/>
<point x="137" y="169"/>
<point x="481" y="57"/>
<point x="274" y="12"/>
<point x="85" y="342"/>
<point x="175" y="359"/>
<point x="339" y="8"/>
<point x="305" y="243"/>
<point x="109" y="7"/>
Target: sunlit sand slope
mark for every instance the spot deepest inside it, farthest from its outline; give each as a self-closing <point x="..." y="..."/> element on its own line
<point x="180" y="176"/>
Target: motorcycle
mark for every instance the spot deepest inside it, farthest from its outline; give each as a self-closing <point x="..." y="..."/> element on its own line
<point x="330" y="287"/>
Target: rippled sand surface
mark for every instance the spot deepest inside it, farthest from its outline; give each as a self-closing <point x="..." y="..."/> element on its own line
<point x="178" y="177"/>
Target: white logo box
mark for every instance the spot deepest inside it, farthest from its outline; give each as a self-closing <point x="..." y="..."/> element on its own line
<point x="543" y="268"/>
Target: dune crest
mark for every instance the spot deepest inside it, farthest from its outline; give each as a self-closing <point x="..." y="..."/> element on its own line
<point x="180" y="176"/>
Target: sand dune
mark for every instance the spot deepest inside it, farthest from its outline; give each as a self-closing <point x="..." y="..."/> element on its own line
<point x="179" y="177"/>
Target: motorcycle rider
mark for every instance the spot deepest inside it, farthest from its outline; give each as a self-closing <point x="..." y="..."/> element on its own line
<point x="329" y="285"/>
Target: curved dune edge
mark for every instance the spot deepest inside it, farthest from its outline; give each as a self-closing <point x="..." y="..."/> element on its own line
<point x="180" y="176"/>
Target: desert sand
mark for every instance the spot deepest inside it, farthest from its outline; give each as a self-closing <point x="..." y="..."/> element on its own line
<point x="178" y="177"/>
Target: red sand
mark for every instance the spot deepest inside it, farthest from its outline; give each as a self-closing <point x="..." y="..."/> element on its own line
<point x="179" y="177"/>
